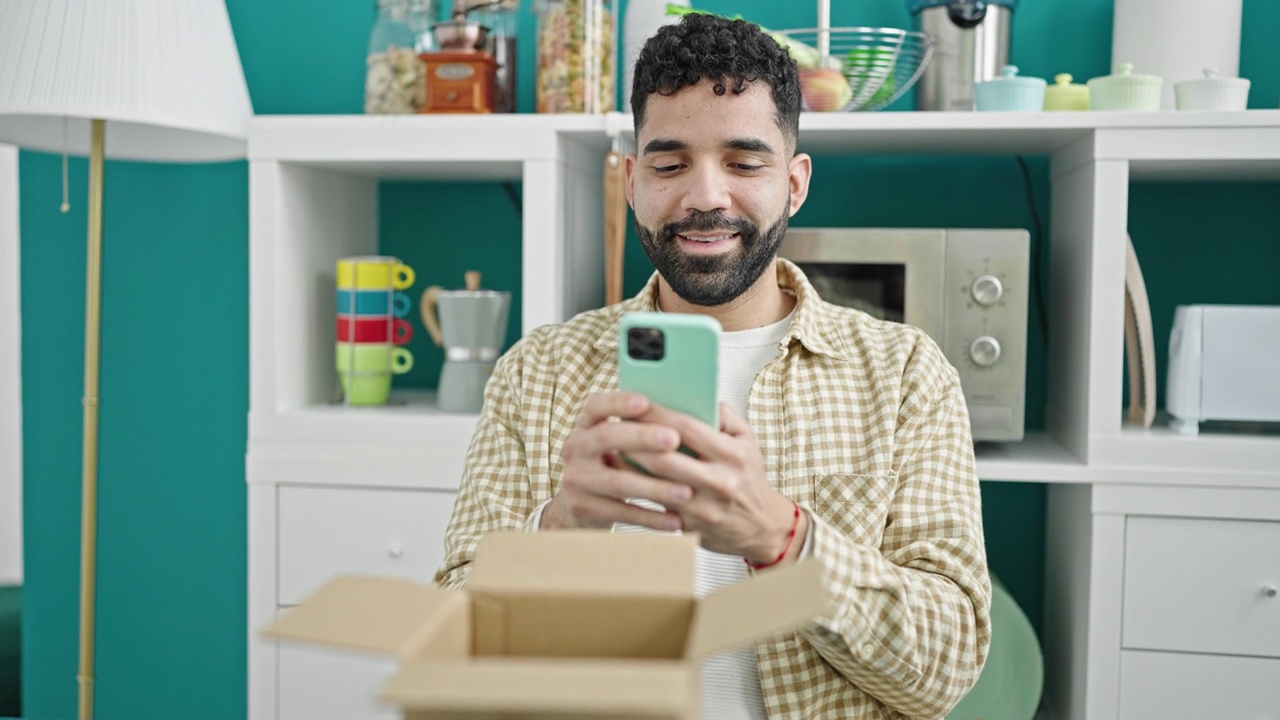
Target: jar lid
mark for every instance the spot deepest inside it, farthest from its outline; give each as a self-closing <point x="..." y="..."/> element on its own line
<point x="915" y="6"/>
<point x="1124" y="77"/>
<point x="1009" y="78"/>
<point x="1213" y="79"/>
<point x="1062" y="87"/>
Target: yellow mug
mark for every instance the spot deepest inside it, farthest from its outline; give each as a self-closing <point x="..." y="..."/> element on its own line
<point x="373" y="272"/>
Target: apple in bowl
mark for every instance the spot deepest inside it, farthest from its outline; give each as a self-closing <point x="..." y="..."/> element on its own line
<point x="825" y="89"/>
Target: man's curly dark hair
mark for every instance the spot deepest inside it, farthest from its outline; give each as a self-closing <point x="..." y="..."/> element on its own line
<point x="729" y="53"/>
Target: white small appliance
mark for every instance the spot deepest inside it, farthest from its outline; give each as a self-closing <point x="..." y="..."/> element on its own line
<point x="1224" y="365"/>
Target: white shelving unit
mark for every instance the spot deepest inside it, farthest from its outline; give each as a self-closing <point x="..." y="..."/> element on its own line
<point x="10" y="373"/>
<point x="314" y="195"/>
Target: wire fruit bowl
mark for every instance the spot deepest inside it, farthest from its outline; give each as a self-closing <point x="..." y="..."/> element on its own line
<point x="877" y="65"/>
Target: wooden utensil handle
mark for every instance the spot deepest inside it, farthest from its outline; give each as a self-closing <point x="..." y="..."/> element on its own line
<point x="615" y="225"/>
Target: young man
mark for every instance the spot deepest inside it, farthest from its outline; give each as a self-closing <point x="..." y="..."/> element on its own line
<point x="849" y="432"/>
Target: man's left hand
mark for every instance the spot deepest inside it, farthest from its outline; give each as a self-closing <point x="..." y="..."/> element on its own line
<point x="734" y="508"/>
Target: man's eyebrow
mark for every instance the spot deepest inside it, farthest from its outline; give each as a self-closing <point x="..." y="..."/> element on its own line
<point x="750" y="145"/>
<point x="661" y="146"/>
<point x="756" y="145"/>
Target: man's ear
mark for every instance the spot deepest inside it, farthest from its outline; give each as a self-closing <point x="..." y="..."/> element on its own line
<point x="629" y="164"/>
<point x="801" y="169"/>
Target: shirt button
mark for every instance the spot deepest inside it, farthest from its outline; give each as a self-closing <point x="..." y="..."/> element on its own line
<point x="868" y="651"/>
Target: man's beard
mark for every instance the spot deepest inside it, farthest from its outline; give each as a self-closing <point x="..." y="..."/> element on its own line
<point x="711" y="280"/>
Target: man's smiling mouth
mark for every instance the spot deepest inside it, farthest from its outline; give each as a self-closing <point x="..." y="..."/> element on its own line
<point x="708" y="239"/>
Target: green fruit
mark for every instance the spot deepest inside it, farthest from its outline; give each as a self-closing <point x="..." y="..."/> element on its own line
<point x="864" y="65"/>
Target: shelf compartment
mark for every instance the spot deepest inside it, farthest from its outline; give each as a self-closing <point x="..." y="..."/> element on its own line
<point x="1038" y="457"/>
<point x="409" y="442"/>
<point x="1162" y="455"/>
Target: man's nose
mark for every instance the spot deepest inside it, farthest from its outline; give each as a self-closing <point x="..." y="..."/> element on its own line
<point x="707" y="190"/>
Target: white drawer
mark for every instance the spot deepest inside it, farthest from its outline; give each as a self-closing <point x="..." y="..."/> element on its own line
<point x="316" y="682"/>
<point x="1161" y="686"/>
<point x="329" y="531"/>
<point x="1197" y="585"/>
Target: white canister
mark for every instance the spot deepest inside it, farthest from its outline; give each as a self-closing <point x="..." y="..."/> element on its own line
<point x="643" y="18"/>
<point x="1212" y="92"/>
<point x="1177" y="38"/>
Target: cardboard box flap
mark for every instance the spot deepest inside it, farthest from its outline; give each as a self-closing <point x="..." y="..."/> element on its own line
<point x="378" y="614"/>
<point x="585" y="562"/>
<point x="769" y="603"/>
<point x="545" y="687"/>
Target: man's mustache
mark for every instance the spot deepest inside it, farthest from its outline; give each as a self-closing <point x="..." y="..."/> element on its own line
<point x="707" y="221"/>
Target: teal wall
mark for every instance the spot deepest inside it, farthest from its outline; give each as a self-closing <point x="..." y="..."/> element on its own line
<point x="172" y="608"/>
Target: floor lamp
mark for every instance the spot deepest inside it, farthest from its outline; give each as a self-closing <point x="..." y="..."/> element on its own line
<point x="150" y="80"/>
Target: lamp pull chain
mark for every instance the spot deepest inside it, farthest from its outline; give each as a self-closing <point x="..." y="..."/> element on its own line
<point x="66" y="203"/>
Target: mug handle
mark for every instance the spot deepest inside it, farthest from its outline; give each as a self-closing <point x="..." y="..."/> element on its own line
<point x="400" y="304"/>
<point x="401" y="331"/>
<point x="428" y="310"/>
<point x="402" y="276"/>
<point x="401" y="360"/>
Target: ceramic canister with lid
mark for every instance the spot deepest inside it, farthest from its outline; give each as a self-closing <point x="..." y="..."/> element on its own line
<point x="1125" y="91"/>
<point x="1063" y="94"/>
<point x="1212" y="92"/>
<point x="1010" y="93"/>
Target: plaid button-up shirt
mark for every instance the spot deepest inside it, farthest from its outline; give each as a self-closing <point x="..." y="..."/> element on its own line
<point x="860" y="421"/>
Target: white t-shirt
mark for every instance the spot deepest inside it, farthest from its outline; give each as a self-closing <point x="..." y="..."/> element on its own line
<point x="731" y="679"/>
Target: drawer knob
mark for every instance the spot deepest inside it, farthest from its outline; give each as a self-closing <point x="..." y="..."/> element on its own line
<point x="1269" y="591"/>
<point x="394" y="550"/>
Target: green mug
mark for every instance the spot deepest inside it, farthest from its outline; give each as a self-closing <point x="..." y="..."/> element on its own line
<point x="366" y="369"/>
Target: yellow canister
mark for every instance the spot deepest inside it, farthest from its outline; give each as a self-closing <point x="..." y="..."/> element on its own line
<point x="1062" y="94"/>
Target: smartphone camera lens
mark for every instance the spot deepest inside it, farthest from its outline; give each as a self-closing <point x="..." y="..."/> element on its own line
<point x="645" y="343"/>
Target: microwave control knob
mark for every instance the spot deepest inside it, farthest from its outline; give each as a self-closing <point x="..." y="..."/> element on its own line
<point x="986" y="289"/>
<point x="985" y="350"/>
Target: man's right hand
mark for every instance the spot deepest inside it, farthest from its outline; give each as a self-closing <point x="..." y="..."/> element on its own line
<point x="596" y="482"/>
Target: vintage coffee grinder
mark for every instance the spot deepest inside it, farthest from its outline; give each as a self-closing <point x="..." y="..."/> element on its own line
<point x="461" y="75"/>
<point x="471" y="326"/>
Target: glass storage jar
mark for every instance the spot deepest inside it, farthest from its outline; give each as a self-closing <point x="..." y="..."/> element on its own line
<point x="576" y="41"/>
<point x="395" y="79"/>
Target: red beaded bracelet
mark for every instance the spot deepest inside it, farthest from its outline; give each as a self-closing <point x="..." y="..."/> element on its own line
<point x="795" y="525"/>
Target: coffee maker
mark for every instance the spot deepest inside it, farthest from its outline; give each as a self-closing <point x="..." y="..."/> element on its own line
<point x="971" y="45"/>
<point x="471" y="326"/>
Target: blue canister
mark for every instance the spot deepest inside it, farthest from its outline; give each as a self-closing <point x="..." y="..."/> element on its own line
<point x="1010" y="93"/>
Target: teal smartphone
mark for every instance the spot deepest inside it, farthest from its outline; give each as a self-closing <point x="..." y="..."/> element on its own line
<point x="674" y="360"/>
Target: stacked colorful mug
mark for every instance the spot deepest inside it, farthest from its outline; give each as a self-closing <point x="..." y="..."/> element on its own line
<point x="372" y="326"/>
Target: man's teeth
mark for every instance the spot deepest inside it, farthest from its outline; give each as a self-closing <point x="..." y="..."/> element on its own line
<point x="717" y="238"/>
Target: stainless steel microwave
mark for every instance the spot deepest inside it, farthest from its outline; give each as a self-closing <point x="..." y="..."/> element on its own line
<point x="968" y="289"/>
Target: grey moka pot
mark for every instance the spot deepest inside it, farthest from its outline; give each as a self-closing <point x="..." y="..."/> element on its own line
<point x="471" y="326"/>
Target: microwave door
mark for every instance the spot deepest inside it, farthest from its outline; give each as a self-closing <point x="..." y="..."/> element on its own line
<point x="874" y="288"/>
<point x="898" y="273"/>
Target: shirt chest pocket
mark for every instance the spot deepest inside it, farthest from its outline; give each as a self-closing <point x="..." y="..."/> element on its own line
<point x="857" y="505"/>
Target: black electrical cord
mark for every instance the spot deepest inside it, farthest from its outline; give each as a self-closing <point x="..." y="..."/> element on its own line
<point x="1037" y="251"/>
<point x="510" y="187"/>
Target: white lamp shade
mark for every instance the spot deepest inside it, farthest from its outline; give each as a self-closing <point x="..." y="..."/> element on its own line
<point x="164" y="74"/>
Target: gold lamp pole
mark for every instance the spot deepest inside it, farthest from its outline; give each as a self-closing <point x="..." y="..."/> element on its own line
<point x="89" y="480"/>
<point x="183" y="100"/>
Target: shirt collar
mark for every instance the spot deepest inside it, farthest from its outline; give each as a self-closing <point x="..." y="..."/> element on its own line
<point x="812" y="324"/>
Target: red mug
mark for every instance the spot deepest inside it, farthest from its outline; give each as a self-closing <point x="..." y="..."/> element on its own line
<point x="383" y="329"/>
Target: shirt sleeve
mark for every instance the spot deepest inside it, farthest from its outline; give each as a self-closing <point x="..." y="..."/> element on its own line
<point x="910" y="620"/>
<point x="535" y="520"/>
<point x="494" y="493"/>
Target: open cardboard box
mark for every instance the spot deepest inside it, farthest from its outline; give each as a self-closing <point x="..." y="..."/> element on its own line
<point x="556" y="624"/>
